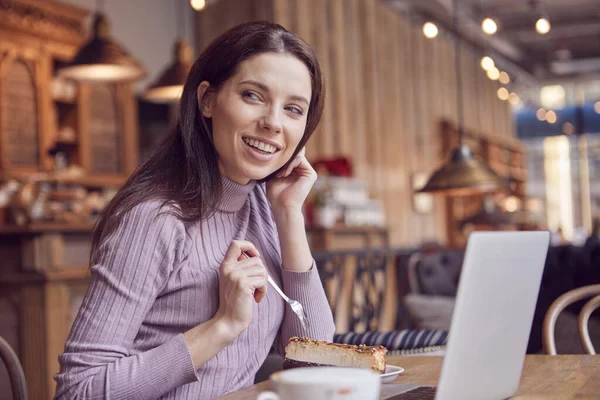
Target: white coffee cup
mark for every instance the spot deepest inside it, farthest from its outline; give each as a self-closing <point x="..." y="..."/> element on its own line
<point x="324" y="383"/>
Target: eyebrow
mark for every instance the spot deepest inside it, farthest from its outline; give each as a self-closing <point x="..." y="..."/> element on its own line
<point x="265" y="88"/>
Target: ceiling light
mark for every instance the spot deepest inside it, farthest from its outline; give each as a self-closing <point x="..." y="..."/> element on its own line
<point x="198" y="5"/>
<point x="540" y="114"/>
<point x="542" y="26"/>
<point x="463" y="173"/>
<point x="503" y="93"/>
<point x="551" y="117"/>
<point x="504" y="78"/>
<point x="568" y="128"/>
<point x="489" y="26"/>
<point x="430" y="30"/>
<point x="487" y="63"/>
<point x="102" y="59"/>
<point x="514" y="98"/>
<point x="493" y="74"/>
<point x="169" y="86"/>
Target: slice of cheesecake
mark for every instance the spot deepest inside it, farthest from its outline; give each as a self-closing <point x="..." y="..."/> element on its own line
<point x="304" y="352"/>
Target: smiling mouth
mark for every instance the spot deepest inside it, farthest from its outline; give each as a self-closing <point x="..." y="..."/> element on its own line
<point x="263" y="147"/>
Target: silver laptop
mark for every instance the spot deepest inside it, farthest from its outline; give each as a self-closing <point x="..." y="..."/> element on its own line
<point x="492" y="318"/>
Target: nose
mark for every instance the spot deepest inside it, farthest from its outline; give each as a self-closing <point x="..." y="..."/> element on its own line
<point x="271" y="121"/>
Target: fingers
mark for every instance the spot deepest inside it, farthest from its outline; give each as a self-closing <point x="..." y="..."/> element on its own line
<point x="255" y="285"/>
<point x="260" y="293"/>
<point x="236" y="248"/>
<point x="299" y="162"/>
<point x="247" y="275"/>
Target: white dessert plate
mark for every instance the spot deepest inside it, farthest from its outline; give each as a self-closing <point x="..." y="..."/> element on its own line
<point x="391" y="372"/>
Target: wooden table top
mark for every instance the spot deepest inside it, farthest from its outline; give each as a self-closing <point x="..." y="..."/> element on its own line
<point x="544" y="377"/>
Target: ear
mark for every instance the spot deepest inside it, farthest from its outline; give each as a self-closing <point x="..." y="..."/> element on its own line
<point x="205" y="99"/>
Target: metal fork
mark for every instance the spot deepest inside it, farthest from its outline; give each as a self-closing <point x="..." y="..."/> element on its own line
<point x="294" y="304"/>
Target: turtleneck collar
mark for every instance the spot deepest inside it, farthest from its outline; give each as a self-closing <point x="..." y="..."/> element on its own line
<point x="234" y="194"/>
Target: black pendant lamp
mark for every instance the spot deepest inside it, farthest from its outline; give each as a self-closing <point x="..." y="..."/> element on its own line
<point x="102" y="59"/>
<point x="462" y="174"/>
<point x="169" y="86"/>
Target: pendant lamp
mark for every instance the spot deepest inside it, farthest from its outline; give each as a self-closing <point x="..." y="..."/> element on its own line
<point x="169" y="86"/>
<point x="462" y="174"/>
<point x="102" y="59"/>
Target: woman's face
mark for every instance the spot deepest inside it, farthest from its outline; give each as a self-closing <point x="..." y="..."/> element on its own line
<point x="259" y="115"/>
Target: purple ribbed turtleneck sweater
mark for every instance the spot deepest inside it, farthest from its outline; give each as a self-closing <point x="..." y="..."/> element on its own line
<point x="156" y="278"/>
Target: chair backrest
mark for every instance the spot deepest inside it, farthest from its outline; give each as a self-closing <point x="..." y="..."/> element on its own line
<point x="559" y="305"/>
<point x="360" y="287"/>
<point x="435" y="273"/>
<point x="15" y="371"/>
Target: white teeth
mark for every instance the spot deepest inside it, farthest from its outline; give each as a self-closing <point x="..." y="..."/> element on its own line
<point x="261" y="145"/>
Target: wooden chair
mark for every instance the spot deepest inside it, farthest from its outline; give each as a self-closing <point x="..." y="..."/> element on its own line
<point x="559" y="305"/>
<point x="15" y="371"/>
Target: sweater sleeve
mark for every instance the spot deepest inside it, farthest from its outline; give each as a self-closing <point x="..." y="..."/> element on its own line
<point x="306" y="287"/>
<point x="132" y="268"/>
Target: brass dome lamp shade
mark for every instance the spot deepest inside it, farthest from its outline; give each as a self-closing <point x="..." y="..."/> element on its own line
<point x="169" y="86"/>
<point x="102" y="59"/>
<point x="462" y="174"/>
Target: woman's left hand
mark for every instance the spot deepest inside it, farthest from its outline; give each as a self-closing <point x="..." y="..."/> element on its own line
<point x="288" y="190"/>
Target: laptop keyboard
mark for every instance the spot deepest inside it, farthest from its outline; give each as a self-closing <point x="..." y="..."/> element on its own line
<point x="420" y="393"/>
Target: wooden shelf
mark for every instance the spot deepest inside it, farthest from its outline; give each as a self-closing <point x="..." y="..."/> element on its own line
<point x="341" y="229"/>
<point x="45" y="227"/>
<point x="92" y="181"/>
<point x="71" y="273"/>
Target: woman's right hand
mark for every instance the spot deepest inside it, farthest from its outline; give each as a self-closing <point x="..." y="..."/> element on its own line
<point x="242" y="281"/>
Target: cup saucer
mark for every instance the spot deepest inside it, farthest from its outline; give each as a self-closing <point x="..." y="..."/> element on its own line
<point x="391" y="372"/>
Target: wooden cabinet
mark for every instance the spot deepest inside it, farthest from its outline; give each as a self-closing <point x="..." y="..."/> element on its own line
<point x="92" y="125"/>
<point x="44" y="270"/>
<point x="43" y="278"/>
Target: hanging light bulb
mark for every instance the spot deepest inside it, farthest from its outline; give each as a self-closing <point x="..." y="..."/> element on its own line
<point x="503" y="78"/>
<point x="493" y="74"/>
<point x="568" y="128"/>
<point x="542" y="26"/>
<point x="430" y="30"/>
<point x="198" y="5"/>
<point x="503" y="93"/>
<point x="489" y="26"/>
<point x="551" y="117"/>
<point x="487" y="63"/>
<point x="540" y="114"/>
<point x="102" y="59"/>
<point x="514" y="99"/>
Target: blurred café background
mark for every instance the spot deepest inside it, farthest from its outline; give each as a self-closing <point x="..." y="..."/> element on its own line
<point x="442" y="117"/>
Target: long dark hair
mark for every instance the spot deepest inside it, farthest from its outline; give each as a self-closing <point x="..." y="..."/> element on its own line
<point x="184" y="170"/>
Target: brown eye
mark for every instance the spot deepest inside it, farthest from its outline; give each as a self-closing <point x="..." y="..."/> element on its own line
<point x="295" y="110"/>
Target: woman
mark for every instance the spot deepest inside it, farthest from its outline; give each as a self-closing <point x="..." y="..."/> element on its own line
<point x="175" y="309"/>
